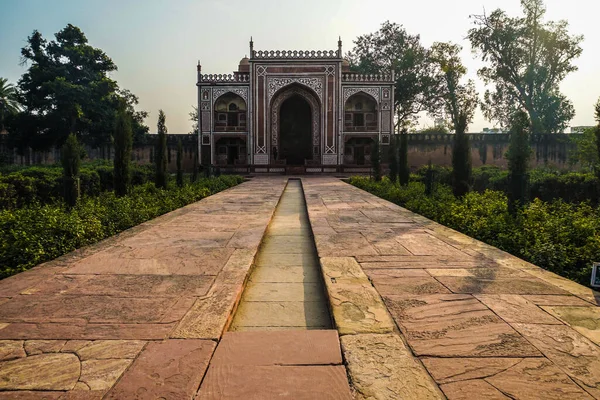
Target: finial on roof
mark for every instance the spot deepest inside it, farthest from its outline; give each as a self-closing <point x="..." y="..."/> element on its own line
<point x="251" y="46"/>
<point x="339" y="46"/>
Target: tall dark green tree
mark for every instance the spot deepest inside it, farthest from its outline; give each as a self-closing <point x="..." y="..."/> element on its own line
<point x="123" y="141"/>
<point x="71" y="162"/>
<point x="527" y="58"/>
<point x="458" y="101"/>
<point x="518" y="155"/>
<point x="461" y="159"/>
<point x="67" y="88"/>
<point x="393" y="159"/>
<point x="160" y="155"/>
<point x="393" y="48"/>
<point x="194" y="176"/>
<point x="597" y="114"/>
<point x="179" y="166"/>
<point x="404" y="171"/>
<point x="376" y="160"/>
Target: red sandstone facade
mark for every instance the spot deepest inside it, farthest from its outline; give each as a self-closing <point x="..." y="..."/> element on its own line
<point x="293" y="110"/>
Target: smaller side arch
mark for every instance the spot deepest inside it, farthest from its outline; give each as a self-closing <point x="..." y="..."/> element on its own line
<point x="361" y="113"/>
<point x="230" y="113"/>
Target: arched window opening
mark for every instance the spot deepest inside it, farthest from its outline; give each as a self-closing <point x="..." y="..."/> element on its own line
<point x="231" y="151"/>
<point x="360" y="114"/>
<point x="230" y="113"/>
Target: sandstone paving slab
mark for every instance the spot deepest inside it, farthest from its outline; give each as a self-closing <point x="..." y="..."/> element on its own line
<point x="78" y="309"/>
<point x="281" y="314"/>
<point x="85" y="331"/>
<point x="535" y="379"/>
<point x="519" y="378"/>
<point x="102" y="374"/>
<point x="306" y="347"/>
<point x="40" y="372"/>
<point x="33" y="347"/>
<point x="284" y="291"/>
<point x="498" y="285"/>
<point x="280" y="382"/>
<point x="574" y="354"/>
<point x="125" y="285"/>
<point x="176" y="260"/>
<point x="356" y="305"/>
<point x="209" y="315"/>
<point x="171" y="369"/>
<point x="385" y="216"/>
<point x="415" y="285"/>
<point x="11" y="349"/>
<point x="110" y="349"/>
<point x="15" y="284"/>
<point x="381" y="367"/>
<point x="398" y="273"/>
<point x="515" y="308"/>
<point x="33" y="395"/>
<point x="585" y="320"/>
<point x="424" y="244"/>
<point x="447" y="370"/>
<point x="287" y="274"/>
<point x="347" y="244"/>
<point x="473" y="389"/>
<point x="449" y="325"/>
<point x="555" y="300"/>
<point x="284" y="260"/>
<point x="479" y="273"/>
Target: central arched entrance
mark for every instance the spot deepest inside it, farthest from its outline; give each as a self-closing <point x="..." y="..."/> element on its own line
<point x="295" y="131"/>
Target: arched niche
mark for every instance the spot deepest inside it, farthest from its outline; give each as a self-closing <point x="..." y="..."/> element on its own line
<point x="360" y="113"/>
<point x="230" y="113"/>
<point x="295" y="90"/>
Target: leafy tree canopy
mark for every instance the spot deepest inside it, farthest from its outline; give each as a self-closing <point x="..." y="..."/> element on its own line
<point x="456" y="100"/>
<point x="9" y="102"/>
<point x="526" y="58"/>
<point x="67" y="88"/>
<point x="392" y="48"/>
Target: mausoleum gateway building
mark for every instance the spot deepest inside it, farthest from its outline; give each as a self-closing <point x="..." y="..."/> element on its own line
<point x="294" y="111"/>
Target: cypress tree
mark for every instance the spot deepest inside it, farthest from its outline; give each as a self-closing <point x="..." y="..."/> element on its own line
<point x="71" y="163"/>
<point x="518" y="155"/>
<point x="393" y="159"/>
<point x="429" y="179"/>
<point x="461" y="159"/>
<point x="404" y="173"/>
<point x="597" y="112"/>
<point x="376" y="160"/>
<point x="179" y="167"/>
<point x="194" y="177"/>
<point x="161" y="152"/>
<point x="123" y="138"/>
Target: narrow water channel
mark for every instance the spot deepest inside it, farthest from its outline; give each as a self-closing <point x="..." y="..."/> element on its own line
<point x="285" y="289"/>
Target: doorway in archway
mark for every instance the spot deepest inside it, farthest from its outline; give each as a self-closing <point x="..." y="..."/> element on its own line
<point x="295" y="131"/>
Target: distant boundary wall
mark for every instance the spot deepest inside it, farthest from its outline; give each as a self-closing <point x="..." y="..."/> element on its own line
<point x="486" y="149"/>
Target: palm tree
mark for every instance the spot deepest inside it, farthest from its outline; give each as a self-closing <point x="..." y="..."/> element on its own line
<point x="8" y="101"/>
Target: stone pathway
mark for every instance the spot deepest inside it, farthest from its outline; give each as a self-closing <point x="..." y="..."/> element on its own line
<point x="419" y="310"/>
<point x="480" y="322"/>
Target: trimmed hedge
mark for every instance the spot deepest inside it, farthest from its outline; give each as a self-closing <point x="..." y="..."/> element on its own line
<point x="44" y="185"/>
<point x="544" y="184"/>
<point x="37" y="233"/>
<point x="561" y="237"/>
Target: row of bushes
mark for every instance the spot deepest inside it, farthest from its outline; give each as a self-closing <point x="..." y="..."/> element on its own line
<point x="559" y="236"/>
<point x="37" y="233"/>
<point x="45" y="184"/>
<point x="544" y="184"/>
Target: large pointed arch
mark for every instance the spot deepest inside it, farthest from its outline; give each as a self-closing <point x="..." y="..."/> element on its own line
<point x="307" y="94"/>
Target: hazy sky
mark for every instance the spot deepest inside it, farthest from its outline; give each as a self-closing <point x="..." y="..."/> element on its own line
<point x="156" y="43"/>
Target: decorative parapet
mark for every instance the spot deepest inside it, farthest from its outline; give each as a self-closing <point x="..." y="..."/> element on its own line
<point x="294" y="54"/>
<point x="225" y="78"/>
<point x="367" y="78"/>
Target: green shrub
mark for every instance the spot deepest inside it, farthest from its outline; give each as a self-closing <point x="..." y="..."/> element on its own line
<point x="38" y="233"/>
